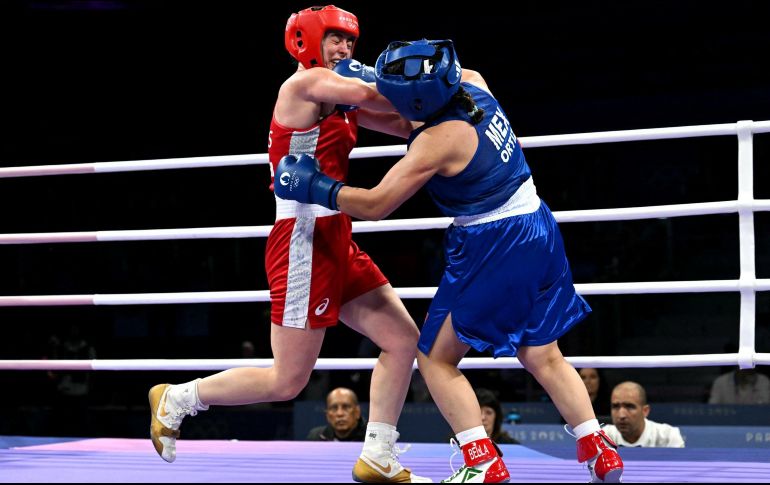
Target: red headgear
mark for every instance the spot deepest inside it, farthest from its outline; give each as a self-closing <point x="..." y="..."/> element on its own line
<point x="305" y="31"/>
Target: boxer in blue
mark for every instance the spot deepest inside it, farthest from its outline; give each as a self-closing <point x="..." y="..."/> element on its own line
<point x="507" y="287"/>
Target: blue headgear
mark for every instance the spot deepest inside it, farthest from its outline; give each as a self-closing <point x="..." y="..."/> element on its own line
<point x="418" y="77"/>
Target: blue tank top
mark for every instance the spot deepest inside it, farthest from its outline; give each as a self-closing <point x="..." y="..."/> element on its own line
<point x="495" y="172"/>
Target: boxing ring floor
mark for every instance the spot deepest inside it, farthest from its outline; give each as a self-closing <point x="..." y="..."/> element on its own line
<point x="50" y="460"/>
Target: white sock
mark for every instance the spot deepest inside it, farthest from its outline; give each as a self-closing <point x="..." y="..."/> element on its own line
<point x="187" y="395"/>
<point x="470" y="435"/>
<point x="379" y="438"/>
<point x="584" y="429"/>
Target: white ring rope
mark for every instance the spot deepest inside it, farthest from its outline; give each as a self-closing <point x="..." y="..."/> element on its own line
<point x="618" y="362"/>
<point x="635" y="288"/>
<point x="592" y="215"/>
<point x="747" y="285"/>
<point x="133" y="166"/>
<point x="382" y="151"/>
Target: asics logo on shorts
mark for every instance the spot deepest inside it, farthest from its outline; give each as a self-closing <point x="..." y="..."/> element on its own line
<point x="320" y="309"/>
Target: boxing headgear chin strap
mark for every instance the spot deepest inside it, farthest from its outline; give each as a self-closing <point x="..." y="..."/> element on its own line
<point x="305" y="31"/>
<point x="418" y="78"/>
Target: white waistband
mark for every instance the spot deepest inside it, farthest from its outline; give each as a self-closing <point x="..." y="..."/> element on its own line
<point x="289" y="209"/>
<point x="523" y="201"/>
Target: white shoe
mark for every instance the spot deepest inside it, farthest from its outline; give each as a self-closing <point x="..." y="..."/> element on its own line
<point x="166" y="419"/>
<point x="385" y="467"/>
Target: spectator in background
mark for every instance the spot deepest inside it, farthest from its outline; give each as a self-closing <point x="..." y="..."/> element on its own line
<point x="740" y="386"/>
<point x="492" y="417"/>
<point x="72" y="388"/>
<point x="343" y="414"/>
<point x="598" y="392"/>
<point x="630" y="426"/>
<point x="247" y="350"/>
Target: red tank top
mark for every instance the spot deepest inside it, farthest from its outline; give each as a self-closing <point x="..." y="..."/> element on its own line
<point x="330" y="141"/>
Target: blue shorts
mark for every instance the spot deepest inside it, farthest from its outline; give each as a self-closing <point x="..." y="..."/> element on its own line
<point x="507" y="284"/>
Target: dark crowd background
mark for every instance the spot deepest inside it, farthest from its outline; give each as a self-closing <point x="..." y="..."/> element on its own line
<point x="111" y="80"/>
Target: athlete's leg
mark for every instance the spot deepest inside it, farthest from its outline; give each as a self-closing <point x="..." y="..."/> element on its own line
<point x="381" y="316"/>
<point x="567" y="391"/>
<point x="448" y="386"/>
<point x="458" y="404"/>
<point x="295" y="352"/>
<point x="560" y="380"/>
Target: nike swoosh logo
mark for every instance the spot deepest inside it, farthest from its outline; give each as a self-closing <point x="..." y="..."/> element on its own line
<point x="380" y="467"/>
<point x="162" y="407"/>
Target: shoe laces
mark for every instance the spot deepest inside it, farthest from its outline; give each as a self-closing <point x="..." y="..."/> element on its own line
<point x="455" y="451"/>
<point x="570" y="431"/>
<point x="179" y="413"/>
<point x="394" y="451"/>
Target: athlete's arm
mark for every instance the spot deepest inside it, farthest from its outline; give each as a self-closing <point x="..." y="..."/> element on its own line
<point x="390" y="123"/>
<point x="429" y="154"/>
<point x="302" y="96"/>
<point x="326" y="86"/>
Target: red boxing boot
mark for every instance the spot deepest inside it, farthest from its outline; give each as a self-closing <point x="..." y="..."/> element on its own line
<point x="602" y="458"/>
<point x="483" y="464"/>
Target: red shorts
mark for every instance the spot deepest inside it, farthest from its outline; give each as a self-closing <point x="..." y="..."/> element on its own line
<point x="313" y="268"/>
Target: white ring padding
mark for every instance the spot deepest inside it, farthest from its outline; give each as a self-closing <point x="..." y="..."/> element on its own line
<point x="640" y="135"/>
<point x="652" y="287"/>
<point x="383" y="151"/>
<point x="137" y="298"/>
<point x="595" y="215"/>
<point x="134" y="165"/>
<point x="642" y="361"/>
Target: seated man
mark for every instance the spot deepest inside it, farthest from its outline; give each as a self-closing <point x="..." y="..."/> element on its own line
<point x="344" y="417"/>
<point x="630" y="426"/>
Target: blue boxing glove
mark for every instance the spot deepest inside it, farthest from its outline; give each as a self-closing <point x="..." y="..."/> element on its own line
<point x="353" y="68"/>
<point x="300" y="179"/>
